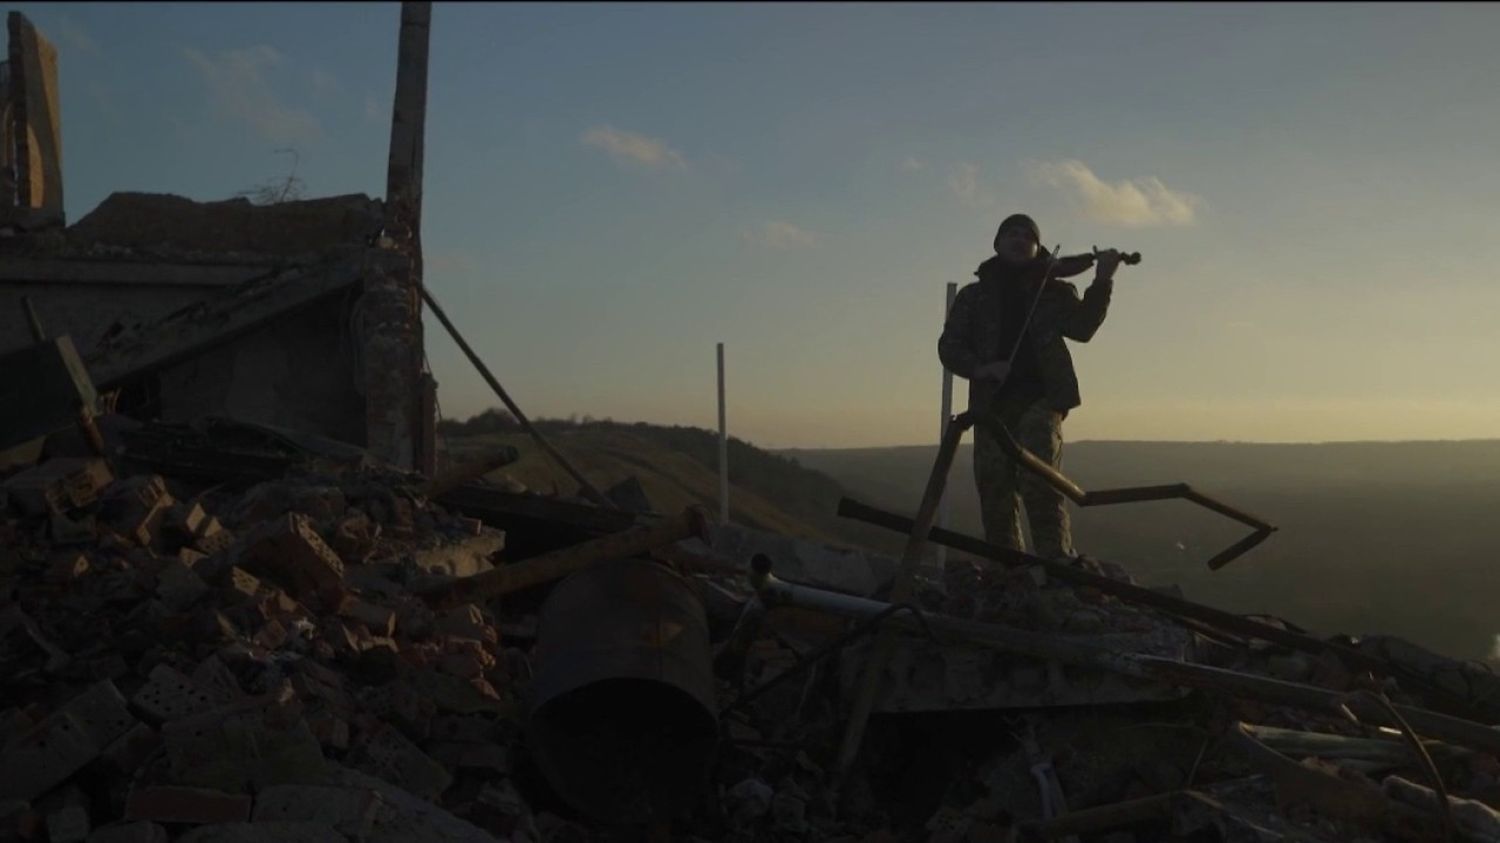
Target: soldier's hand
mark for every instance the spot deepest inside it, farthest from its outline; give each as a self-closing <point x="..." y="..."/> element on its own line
<point x="997" y="371"/>
<point x="1105" y="263"/>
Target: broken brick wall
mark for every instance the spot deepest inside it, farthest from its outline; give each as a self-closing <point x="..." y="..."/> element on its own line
<point x="299" y="372"/>
<point x="85" y="312"/>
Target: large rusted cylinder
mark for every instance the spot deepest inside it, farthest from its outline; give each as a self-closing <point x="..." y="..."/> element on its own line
<point x="623" y="721"/>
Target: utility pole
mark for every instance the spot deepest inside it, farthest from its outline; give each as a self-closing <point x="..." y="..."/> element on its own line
<point x="723" y="448"/>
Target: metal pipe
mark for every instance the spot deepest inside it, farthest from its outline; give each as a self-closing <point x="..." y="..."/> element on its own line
<point x="1454" y="730"/>
<point x="621" y="718"/>
<point x="592" y="493"/>
<point x="1175" y="606"/>
<point x="901" y="591"/>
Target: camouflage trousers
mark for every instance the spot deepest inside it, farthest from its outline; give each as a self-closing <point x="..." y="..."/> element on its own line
<point x="1004" y="485"/>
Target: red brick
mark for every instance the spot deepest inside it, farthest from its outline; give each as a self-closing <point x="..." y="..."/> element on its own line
<point x="289" y="551"/>
<point x="129" y="833"/>
<point x="195" y="805"/>
<point x="68" y="567"/>
<point x="378" y="619"/>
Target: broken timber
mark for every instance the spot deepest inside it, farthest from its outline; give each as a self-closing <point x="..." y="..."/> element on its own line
<point x="1139" y="494"/>
<point x="1175" y="606"/>
<point x="1454" y="730"/>
<point x="551" y="566"/>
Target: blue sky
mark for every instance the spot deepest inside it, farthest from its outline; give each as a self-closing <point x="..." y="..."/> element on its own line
<point x="612" y="189"/>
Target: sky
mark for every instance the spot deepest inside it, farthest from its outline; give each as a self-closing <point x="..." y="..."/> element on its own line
<point x="612" y="189"/>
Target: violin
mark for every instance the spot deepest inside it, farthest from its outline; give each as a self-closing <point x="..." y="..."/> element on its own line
<point x="1068" y="266"/>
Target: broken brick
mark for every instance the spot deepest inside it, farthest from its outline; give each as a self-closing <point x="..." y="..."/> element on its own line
<point x="136" y="507"/>
<point x="289" y="551"/>
<point x="390" y="755"/>
<point x="135" y="832"/>
<point x="379" y="620"/>
<point x="68" y="824"/>
<point x="170" y="695"/>
<point x="60" y="484"/>
<point x="64" y="742"/>
<point x="194" y="805"/>
<point x="179" y="587"/>
<point x="132" y="749"/>
<point x="466" y="621"/>
<point x="212" y="538"/>
<point x="68" y="567"/>
<point x="350" y="810"/>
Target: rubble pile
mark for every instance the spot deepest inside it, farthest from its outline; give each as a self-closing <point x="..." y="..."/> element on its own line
<point x="187" y="653"/>
<point x="219" y="666"/>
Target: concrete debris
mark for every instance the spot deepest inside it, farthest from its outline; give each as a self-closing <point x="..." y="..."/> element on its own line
<point x="247" y="656"/>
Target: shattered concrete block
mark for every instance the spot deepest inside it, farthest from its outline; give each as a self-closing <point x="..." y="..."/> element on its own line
<point x="193" y="805"/>
<point x="330" y="730"/>
<point x="170" y="695"/>
<point x="379" y="620"/>
<point x="466" y="621"/>
<point x="62" y="484"/>
<point x="252" y="746"/>
<point x="462" y="559"/>
<point x="355" y="537"/>
<point x="388" y="754"/>
<point x="64" y="742"/>
<point x="320" y="503"/>
<point x="239" y="750"/>
<point x="409" y="817"/>
<point x="138" y="832"/>
<point x="179" y="587"/>
<point x="349" y="810"/>
<point x="68" y="824"/>
<point x="290" y="552"/>
<point x="268" y="832"/>
<point x="133" y="749"/>
<point x="313" y="679"/>
<point x="217" y="680"/>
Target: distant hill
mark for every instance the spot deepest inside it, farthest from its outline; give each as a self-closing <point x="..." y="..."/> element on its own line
<point x="1399" y="538"/>
<point x="678" y="467"/>
<point x="1394" y="537"/>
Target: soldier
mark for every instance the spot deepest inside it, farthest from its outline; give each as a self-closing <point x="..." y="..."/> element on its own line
<point x="1030" y="395"/>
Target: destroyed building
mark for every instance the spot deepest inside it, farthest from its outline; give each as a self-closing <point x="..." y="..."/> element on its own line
<point x="239" y="603"/>
<point x="301" y="315"/>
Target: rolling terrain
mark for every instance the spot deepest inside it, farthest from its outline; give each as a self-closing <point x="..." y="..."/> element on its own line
<point x="1400" y="538"/>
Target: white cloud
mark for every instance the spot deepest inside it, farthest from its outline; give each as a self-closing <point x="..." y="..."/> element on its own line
<point x="633" y="148"/>
<point x="963" y="180"/>
<point x="912" y="164"/>
<point x="238" y="88"/>
<point x="325" y="84"/>
<point x="1134" y="203"/>
<point x="779" y="235"/>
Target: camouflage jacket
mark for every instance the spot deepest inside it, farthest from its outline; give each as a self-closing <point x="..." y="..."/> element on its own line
<point x="971" y="336"/>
